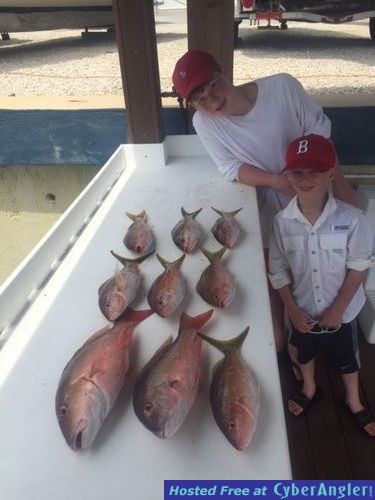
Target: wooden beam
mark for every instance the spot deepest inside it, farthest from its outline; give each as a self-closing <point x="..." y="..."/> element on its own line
<point x="211" y="27"/>
<point x="136" y="40"/>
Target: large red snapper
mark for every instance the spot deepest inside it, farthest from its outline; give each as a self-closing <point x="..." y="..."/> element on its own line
<point x="92" y="380"/>
<point x="139" y="237"/>
<point x="187" y="232"/>
<point x="168" y="290"/>
<point x="226" y="229"/>
<point x="234" y="392"/>
<point x="216" y="284"/>
<point x="118" y="292"/>
<point x="167" y="386"/>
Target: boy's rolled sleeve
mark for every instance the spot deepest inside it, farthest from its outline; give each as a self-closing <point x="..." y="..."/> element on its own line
<point x="360" y="245"/>
<point x="279" y="274"/>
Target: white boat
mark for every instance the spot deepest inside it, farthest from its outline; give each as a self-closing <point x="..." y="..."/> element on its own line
<point x="35" y="15"/>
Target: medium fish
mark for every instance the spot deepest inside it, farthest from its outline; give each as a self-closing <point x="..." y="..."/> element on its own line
<point x="234" y="392"/>
<point x="118" y="292"/>
<point x="166" y="388"/>
<point x="139" y="237"/>
<point x="168" y="290"/>
<point x="226" y="229"/>
<point x="92" y="380"/>
<point x="187" y="232"/>
<point x="216" y="285"/>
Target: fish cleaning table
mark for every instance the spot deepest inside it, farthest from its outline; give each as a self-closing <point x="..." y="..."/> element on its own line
<point x="49" y="307"/>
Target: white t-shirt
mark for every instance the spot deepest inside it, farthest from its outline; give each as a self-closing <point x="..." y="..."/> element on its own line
<point x="282" y="112"/>
<point x="314" y="259"/>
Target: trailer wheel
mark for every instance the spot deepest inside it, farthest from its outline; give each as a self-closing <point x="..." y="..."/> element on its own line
<point x="372" y="27"/>
<point x="283" y="25"/>
<point x="5" y="37"/>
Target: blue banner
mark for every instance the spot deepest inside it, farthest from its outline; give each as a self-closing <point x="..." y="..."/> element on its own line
<point x="280" y="490"/>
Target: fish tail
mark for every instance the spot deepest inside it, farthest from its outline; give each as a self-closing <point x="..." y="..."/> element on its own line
<point x="124" y="260"/>
<point x="195" y="322"/>
<point x="192" y="214"/>
<point x="222" y="213"/>
<point x="235" y="212"/>
<point x="219" y="212"/>
<point x="134" y="316"/>
<point x="211" y="256"/>
<point x="135" y="217"/>
<point x="225" y="346"/>
<point x="166" y="264"/>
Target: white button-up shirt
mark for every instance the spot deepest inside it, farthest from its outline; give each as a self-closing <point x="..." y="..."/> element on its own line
<point x="314" y="258"/>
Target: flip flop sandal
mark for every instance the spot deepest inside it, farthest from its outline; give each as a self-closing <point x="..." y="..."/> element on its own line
<point x="361" y="418"/>
<point x="304" y="402"/>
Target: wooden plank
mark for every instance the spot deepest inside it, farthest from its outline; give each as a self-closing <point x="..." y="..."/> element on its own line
<point x="136" y="40"/>
<point x="211" y="27"/>
<point x="327" y="442"/>
<point x="301" y="457"/>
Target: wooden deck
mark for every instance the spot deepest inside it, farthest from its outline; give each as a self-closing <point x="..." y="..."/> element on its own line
<point x="325" y="444"/>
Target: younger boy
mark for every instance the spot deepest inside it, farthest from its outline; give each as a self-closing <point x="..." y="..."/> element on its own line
<point x="319" y="251"/>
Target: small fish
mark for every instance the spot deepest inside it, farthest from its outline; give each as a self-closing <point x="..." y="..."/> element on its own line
<point x="166" y="388"/>
<point x="234" y="392"/>
<point x="92" y="380"/>
<point x="226" y="229"/>
<point x="216" y="285"/>
<point x="139" y="237"/>
<point x="187" y="232"/>
<point x="118" y="292"/>
<point x="168" y="290"/>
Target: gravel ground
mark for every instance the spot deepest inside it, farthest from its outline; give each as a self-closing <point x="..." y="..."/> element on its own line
<point x="326" y="59"/>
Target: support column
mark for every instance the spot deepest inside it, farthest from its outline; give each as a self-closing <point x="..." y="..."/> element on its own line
<point x="136" y="40"/>
<point x="211" y="27"/>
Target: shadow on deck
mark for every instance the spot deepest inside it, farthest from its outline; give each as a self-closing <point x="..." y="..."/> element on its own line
<point x="325" y="444"/>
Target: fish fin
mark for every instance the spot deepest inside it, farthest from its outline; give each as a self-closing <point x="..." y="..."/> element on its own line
<point x="166" y="264"/>
<point x="195" y="322"/>
<point x="130" y="315"/>
<point x="192" y="214"/>
<point x="226" y="346"/>
<point x="158" y="353"/>
<point x="211" y="256"/>
<point x="125" y="261"/>
<point x="95" y="336"/>
<point x="135" y="217"/>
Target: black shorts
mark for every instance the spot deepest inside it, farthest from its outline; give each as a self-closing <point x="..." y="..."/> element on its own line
<point x="340" y="349"/>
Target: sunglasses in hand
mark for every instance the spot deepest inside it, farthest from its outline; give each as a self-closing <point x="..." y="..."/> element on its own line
<point x="315" y="328"/>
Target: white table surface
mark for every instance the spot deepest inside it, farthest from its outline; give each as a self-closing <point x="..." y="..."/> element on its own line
<point x="128" y="461"/>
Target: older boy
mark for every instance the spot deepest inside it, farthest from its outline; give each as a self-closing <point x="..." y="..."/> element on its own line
<point x="246" y="130"/>
<point x="319" y="251"/>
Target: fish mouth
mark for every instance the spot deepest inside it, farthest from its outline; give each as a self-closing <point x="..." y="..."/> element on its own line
<point x="77" y="442"/>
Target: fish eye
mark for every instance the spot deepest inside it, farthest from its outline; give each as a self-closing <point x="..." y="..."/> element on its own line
<point x="63" y="410"/>
<point x="147" y="408"/>
<point x="232" y="424"/>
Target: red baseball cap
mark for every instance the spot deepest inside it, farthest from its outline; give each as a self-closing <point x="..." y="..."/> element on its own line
<point x="311" y="151"/>
<point x="195" y="68"/>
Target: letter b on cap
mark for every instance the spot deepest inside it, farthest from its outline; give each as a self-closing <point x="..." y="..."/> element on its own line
<point x="302" y="146"/>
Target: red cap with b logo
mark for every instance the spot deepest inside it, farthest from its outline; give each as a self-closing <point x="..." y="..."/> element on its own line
<point x="312" y="151"/>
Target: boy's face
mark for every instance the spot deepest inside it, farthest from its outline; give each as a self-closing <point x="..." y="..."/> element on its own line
<point x="308" y="183"/>
<point x="214" y="97"/>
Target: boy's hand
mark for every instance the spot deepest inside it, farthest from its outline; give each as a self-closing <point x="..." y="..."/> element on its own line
<point x="300" y="320"/>
<point x="282" y="184"/>
<point x="331" y="318"/>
